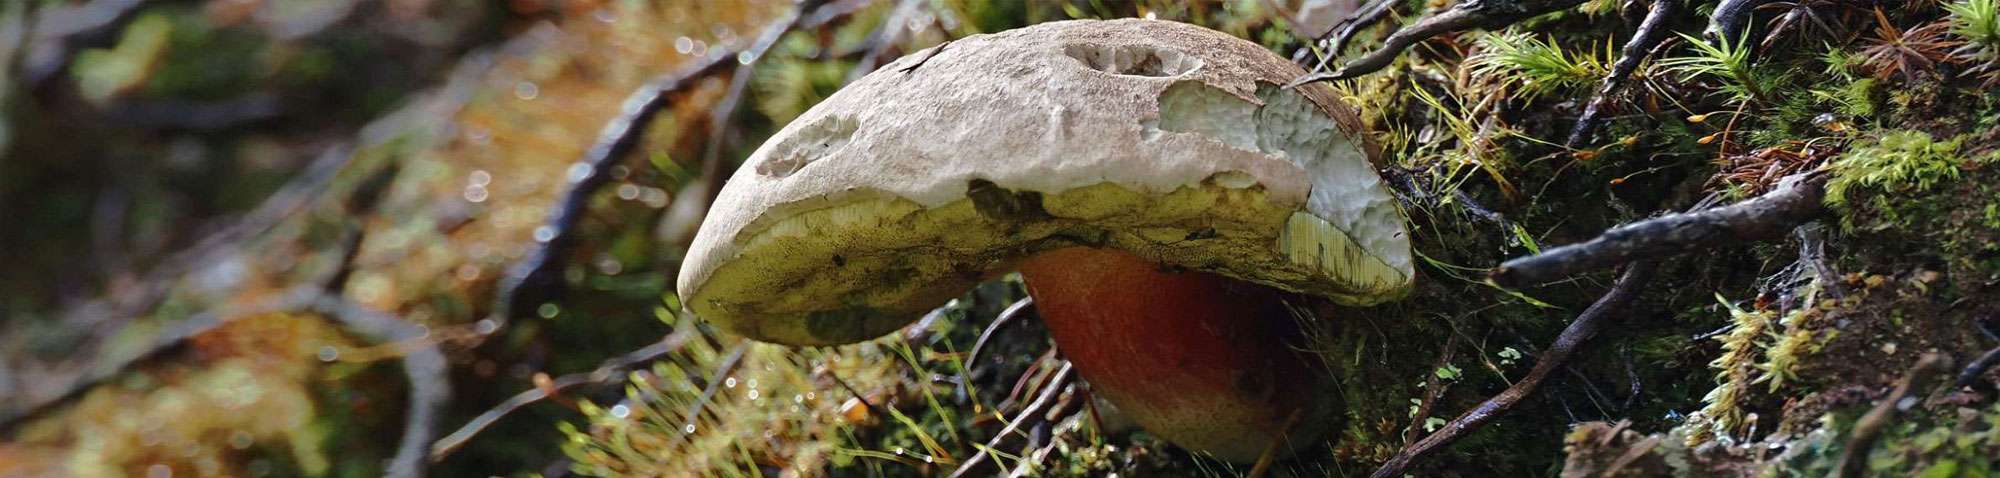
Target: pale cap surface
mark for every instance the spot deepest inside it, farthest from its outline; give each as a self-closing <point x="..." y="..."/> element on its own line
<point x="1172" y="141"/>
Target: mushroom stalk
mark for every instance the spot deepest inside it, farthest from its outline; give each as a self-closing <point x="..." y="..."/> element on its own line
<point x="1207" y="362"/>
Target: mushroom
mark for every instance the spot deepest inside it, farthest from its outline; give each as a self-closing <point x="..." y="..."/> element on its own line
<point x="1158" y="190"/>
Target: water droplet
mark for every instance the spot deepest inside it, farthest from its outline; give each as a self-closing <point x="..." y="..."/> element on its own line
<point x="486" y="326"/>
<point x="798" y="398"/>
<point x="548" y="311"/>
<point x="745" y="58"/>
<point x="475" y="194"/>
<point x="468" y="272"/>
<point x="655" y="198"/>
<point x="729" y="382"/>
<point x="753" y="395"/>
<point x="753" y="383"/>
<point x="928" y="459"/>
<point x="527" y="90"/>
<point x="479" y="177"/>
<point x="899" y="451"/>
<point x="688" y="429"/>
<point x="620" y="411"/>
<point x="328" y="354"/>
<point x="544" y="234"/>
<point x="683" y="45"/>
<point x="628" y="191"/>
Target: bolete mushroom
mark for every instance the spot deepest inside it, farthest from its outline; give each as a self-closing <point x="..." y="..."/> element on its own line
<point x="1155" y="186"/>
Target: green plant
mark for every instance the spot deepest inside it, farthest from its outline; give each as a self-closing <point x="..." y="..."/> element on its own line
<point x="1726" y="60"/>
<point x="1536" y="66"/>
<point x="1907" y="52"/>
<point x="1978" y="22"/>
<point x="1897" y="160"/>
<point x="1734" y="370"/>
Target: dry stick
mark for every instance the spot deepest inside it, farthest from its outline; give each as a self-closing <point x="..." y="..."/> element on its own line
<point x="1566" y="344"/>
<point x="1650" y="33"/>
<point x="1795" y="201"/>
<point x="614" y="370"/>
<point x="715" y="381"/>
<point x="1854" y="460"/>
<point x="538" y="279"/>
<point x="1730" y="17"/>
<point x="425" y="367"/>
<point x="884" y="37"/>
<point x="1433" y="387"/>
<point x="1006" y="316"/>
<point x="1978" y="367"/>
<point x="1056" y="383"/>
<point x="1344" y="32"/>
<point x="1467" y="15"/>
<point x="65" y="24"/>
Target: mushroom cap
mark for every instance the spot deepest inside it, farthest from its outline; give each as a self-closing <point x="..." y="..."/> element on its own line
<point x="945" y="167"/>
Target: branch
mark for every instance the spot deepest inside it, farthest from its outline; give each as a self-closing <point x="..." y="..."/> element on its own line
<point x="884" y="37"/>
<point x="424" y="366"/>
<point x="1980" y="365"/>
<point x="1854" y="460"/>
<point x="1344" y="32"/>
<point x="1795" y="201"/>
<point x="1566" y="344"/>
<point x="1650" y="33"/>
<point x="1730" y="17"/>
<point x="612" y="371"/>
<point x="1056" y="384"/>
<point x="1463" y="16"/>
<point x="538" y="279"/>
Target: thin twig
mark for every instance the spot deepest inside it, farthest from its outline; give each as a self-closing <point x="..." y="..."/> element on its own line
<point x="1433" y="388"/>
<point x="538" y="278"/>
<point x="1979" y="366"/>
<point x="1572" y="338"/>
<point x="1854" y="460"/>
<point x="424" y="366"/>
<point x="885" y="37"/>
<point x="715" y="381"/>
<point x="612" y="371"/>
<point x="1056" y="383"/>
<point x="1650" y="33"/>
<point x="1730" y="17"/>
<point x="1463" y="16"/>
<point x="1367" y="16"/>
<point x="1006" y="316"/>
<point x="1795" y="201"/>
<point x="65" y="26"/>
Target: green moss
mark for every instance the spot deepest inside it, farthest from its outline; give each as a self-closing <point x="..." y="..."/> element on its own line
<point x="1897" y="161"/>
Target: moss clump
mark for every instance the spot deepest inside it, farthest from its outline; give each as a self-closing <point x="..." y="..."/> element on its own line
<point x="1898" y="161"/>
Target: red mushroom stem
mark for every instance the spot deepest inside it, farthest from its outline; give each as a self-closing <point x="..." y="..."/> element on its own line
<point x="1207" y="362"/>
